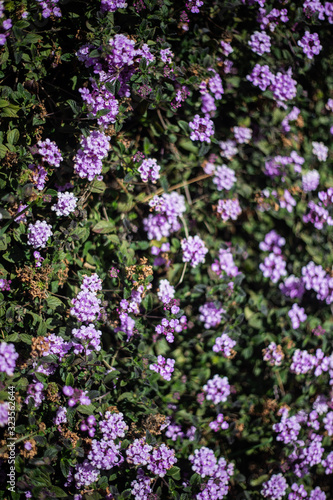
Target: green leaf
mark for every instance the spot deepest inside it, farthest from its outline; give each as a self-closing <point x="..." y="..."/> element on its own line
<point x="54" y="302"/>
<point x="98" y="187"/>
<point x="86" y="409"/>
<point x="13" y="136"/>
<point x="103" y="227"/>
<point x="24" y="337"/>
<point x="70" y="380"/>
<point x="174" y="472"/>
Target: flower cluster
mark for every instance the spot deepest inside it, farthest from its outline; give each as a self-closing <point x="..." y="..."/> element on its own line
<point x="88" y="161"/>
<point x="39" y="233"/>
<point x="66" y="204"/>
<point x="229" y="209"/>
<point x="8" y="357"/>
<point x="89" y="337"/>
<point x="100" y="99"/>
<point x="168" y="207"/>
<point x="149" y="170"/>
<point x="217" y="389"/>
<point x="210" y="315"/>
<point x="260" y="43"/>
<point x="224" y="345"/>
<point x="310" y="44"/>
<point x="273" y="354"/>
<point x="164" y="367"/>
<point x="194" y="250"/>
<point x="50" y="152"/>
<point x="202" y="129"/>
<point x="225" y="264"/>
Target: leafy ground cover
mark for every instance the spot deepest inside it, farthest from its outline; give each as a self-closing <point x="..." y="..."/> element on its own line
<point x="166" y="276"/>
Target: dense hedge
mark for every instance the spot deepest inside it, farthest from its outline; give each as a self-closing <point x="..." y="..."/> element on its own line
<point x="166" y="249"/>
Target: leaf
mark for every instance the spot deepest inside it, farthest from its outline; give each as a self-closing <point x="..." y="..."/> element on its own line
<point x="3" y="151"/>
<point x="24" y="337"/>
<point x="98" y="187"/>
<point x="103" y="227"/>
<point x="13" y="136"/>
<point x="174" y="472"/>
<point x="69" y="380"/>
<point x="86" y="409"/>
<point x="54" y="302"/>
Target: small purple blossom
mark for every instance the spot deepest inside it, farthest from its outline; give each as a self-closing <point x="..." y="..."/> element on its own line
<point x="260" y="42"/>
<point x="164" y="366"/>
<point x="50" y="152"/>
<point x="310" y="44"/>
<point x="8" y="357"/>
<point x="217" y="389"/>
<point x="194" y="250"/>
<point x="149" y="170"/>
<point x="202" y="129"/>
<point x="39" y="233"/>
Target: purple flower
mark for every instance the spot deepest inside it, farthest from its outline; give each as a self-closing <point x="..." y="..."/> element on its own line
<point x="149" y="170"/>
<point x="8" y="357"/>
<point x="166" y="55"/>
<point x="85" y="474"/>
<point x="141" y="487"/>
<point x="50" y="152"/>
<point x="260" y="43"/>
<point x="203" y="461"/>
<point x="138" y="453"/>
<point x="273" y="267"/>
<point x="229" y="209"/>
<point x="310" y="181"/>
<point x="242" y="134"/>
<point x="261" y="76"/>
<point x="226" y="48"/>
<point x="194" y="5"/>
<point x="86" y="307"/>
<point x="88" y="161"/>
<point x="225" y="264"/>
<point x="228" y="149"/>
<point x="310" y="44"/>
<point x="288" y="428"/>
<point x="105" y="454"/>
<point x="302" y="362"/>
<point x="272" y="243"/>
<point x="168" y="207"/>
<point x="112" y="5"/>
<point x="164" y="366"/>
<point x="5" y="285"/>
<point x="202" y="129"/>
<point x="89" y="337"/>
<point x="275" y="487"/>
<point x="298" y="492"/>
<point x="39" y="233"/>
<point x="297" y="316"/>
<point x="91" y="283"/>
<point x="4" y="407"/>
<point x="320" y="150"/>
<point x="162" y="459"/>
<point x="273" y="354"/>
<point x="217" y="389"/>
<point x="113" y="426"/>
<point x="66" y="204"/>
<point x="166" y="291"/>
<point x="219" y="423"/>
<point x="224" y="178"/>
<point x="210" y="315"/>
<point x="61" y="416"/>
<point x="100" y="99"/>
<point x="224" y="345"/>
<point x="194" y="250"/>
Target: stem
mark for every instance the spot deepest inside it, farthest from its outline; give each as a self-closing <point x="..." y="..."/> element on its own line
<point x="177" y="186"/>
